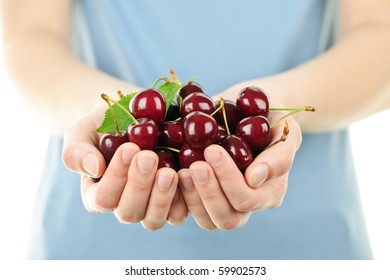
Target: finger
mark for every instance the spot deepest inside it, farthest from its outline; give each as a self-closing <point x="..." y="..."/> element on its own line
<point x="134" y="199"/>
<point x="161" y="197"/>
<point x="194" y="203"/>
<point x="230" y="179"/>
<point x="277" y="160"/>
<point x="214" y="200"/>
<point x="178" y="212"/>
<point x="79" y="151"/>
<point x="108" y="191"/>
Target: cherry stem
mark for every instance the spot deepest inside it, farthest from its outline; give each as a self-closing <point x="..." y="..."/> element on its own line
<point x="165" y="79"/>
<point x="282" y="138"/>
<point x="106" y="97"/>
<point x="168" y="148"/>
<point x="222" y="102"/>
<point x="173" y="76"/>
<point x="293" y="111"/>
<point x="113" y="116"/>
<point x="120" y="94"/>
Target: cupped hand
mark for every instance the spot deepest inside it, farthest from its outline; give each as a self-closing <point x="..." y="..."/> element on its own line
<point x="219" y="195"/>
<point x="131" y="186"/>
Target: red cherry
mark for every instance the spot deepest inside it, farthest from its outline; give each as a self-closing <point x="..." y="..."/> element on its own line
<point x="199" y="130"/>
<point x="239" y="150"/>
<point x="189" y="88"/>
<point x="150" y="104"/>
<point x="110" y="142"/>
<point x="144" y="134"/>
<point x="189" y="155"/>
<point x="255" y="131"/>
<point x="170" y="134"/>
<point x="233" y="114"/>
<point x="166" y="159"/>
<point x="253" y="101"/>
<point x="173" y="113"/>
<point x="196" y="102"/>
<point x="221" y="133"/>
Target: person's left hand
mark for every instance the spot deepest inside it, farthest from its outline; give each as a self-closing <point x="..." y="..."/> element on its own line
<point x="218" y="195"/>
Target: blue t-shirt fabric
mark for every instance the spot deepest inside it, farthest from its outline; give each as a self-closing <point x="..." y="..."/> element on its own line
<point x="221" y="43"/>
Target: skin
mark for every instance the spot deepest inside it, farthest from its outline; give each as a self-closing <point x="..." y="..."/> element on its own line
<point x="350" y="82"/>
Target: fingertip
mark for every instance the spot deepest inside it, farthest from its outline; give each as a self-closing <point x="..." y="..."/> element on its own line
<point x="257" y="175"/>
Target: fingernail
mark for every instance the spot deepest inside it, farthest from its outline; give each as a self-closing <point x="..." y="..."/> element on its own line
<point x="213" y="155"/>
<point x="164" y="181"/>
<point x="127" y="155"/>
<point x="200" y="175"/>
<point x="185" y="179"/>
<point x="145" y="163"/>
<point x="91" y="164"/>
<point x="259" y="174"/>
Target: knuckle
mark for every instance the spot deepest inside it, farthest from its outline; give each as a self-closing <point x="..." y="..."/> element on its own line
<point x="243" y="206"/>
<point x="105" y="202"/>
<point x="139" y="187"/>
<point x="152" y="226"/>
<point x="160" y="203"/>
<point x="207" y="226"/>
<point x="229" y="224"/>
<point x="128" y="217"/>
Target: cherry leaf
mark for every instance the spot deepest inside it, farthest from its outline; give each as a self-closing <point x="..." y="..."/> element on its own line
<point x="108" y="124"/>
<point x="169" y="90"/>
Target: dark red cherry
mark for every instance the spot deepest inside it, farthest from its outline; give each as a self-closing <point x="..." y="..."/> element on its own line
<point x="150" y="104"/>
<point x="109" y="143"/>
<point x="253" y="101"/>
<point x="233" y="114"/>
<point x="173" y="113"/>
<point x="188" y="155"/>
<point x="199" y="130"/>
<point x="170" y="134"/>
<point x="144" y="134"/>
<point x="239" y="150"/>
<point x="196" y="102"/>
<point x="255" y="131"/>
<point x="166" y="159"/>
<point x="189" y="88"/>
<point x="221" y="133"/>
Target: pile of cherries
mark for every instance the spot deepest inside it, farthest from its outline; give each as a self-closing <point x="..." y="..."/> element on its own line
<point x="179" y="134"/>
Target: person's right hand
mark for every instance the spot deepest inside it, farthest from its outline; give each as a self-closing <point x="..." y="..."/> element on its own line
<point x="130" y="186"/>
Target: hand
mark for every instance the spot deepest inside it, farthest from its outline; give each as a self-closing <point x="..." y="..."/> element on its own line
<point x="218" y="195"/>
<point x="131" y="186"/>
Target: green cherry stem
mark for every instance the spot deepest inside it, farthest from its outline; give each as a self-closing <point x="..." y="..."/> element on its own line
<point x="224" y="116"/>
<point x="168" y="148"/>
<point x="293" y="111"/>
<point x="165" y="79"/>
<point x="106" y="97"/>
<point x="114" y="117"/>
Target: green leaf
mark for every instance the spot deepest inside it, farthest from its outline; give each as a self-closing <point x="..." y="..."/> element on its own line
<point x="108" y="124"/>
<point x="169" y="90"/>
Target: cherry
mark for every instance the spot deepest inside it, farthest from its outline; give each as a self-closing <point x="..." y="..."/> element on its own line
<point x="170" y="134"/>
<point x="233" y="114"/>
<point x="199" y="130"/>
<point x="110" y="142"/>
<point x="196" y="102"/>
<point x="221" y="133"/>
<point x="239" y="151"/>
<point x="189" y="88"/>
<point x="173" y="113"/>
<point x="144" y="133"/>
<point x="166" y="159"/>
<point x="253" y="101"/>
<point x="189" y="155"/>
<point x="148" y="103"/>
<point x="255" y="131"/>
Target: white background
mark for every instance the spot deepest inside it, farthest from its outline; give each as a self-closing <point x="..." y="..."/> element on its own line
<point x="23" y="143"/>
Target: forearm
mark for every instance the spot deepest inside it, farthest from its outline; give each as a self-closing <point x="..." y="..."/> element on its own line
<point x="65" y="89"/>
<point x="347" y="83"/>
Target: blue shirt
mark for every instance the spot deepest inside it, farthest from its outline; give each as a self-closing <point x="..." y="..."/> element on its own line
<point x="222" y="43"/>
